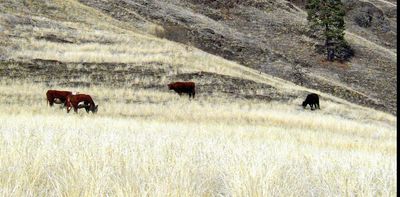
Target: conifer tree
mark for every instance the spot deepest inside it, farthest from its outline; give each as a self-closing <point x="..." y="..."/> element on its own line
<point x="327" y="16"/>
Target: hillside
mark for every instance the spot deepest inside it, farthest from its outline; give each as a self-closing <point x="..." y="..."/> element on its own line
<point x="245" y="133"/>
<point x="272" y="37"/>
<point x="268" y="36"/>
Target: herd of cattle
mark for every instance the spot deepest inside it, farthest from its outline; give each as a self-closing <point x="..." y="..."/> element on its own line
<point x="76" y="100"/>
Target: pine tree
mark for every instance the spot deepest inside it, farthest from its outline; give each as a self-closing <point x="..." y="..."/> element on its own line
<point x="328" y="16"/>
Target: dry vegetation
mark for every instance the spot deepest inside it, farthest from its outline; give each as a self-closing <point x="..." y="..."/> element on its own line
<point x="272" y="36"/>
<point x="150" y="142"/>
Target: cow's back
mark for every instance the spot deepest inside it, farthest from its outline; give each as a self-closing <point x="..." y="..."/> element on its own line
<point x="184" y="86"/>
<point x="77" y="98"/>
<point x="312" y="98"/>
<point x="57" y="93"/>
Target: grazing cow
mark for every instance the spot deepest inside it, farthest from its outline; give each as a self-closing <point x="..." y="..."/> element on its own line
<point x="57" y="97"/>
<point x="183" y="87"/>
<point x="312" y="100"/>
<point x="76" y="101"/>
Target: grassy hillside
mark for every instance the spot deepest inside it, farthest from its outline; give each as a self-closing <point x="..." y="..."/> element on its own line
<point x="273" y="37"/>
<point x="244" y="134"/>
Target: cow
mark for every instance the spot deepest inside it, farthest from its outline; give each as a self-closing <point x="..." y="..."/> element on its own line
<point x="57" y="97"/>
<point x="183" y="87"/>
<point x="81" y="101"/>
<point x="312" y="100"/>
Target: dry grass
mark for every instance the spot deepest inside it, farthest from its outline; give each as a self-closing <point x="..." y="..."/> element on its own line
<point x="152" y="143"/>
<point x="384" y="52"/>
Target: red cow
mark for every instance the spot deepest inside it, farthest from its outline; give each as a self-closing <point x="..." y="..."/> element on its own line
<point x="74" y="100"/>
<point x="183" y="87"/>
<point x="56" y="96"/>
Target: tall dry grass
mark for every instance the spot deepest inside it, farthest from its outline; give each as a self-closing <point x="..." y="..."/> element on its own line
<point x="153" y="143"/>
<point x="147" y="143"/>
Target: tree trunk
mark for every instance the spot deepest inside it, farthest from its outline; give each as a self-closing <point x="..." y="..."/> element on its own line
<point x="331" y="54"/>
<point x="329" y="46"/>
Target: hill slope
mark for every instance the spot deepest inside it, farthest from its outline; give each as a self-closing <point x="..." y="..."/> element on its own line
<point x="272" y="37"/>
<point x="68" y="43"/>
<point x="244" y="134"/>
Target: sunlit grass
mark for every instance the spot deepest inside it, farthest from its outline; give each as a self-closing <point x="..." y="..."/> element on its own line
<point x="159" y="144"/>
<point x="155" y="143"/>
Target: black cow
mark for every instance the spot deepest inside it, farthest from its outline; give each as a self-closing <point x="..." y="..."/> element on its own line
<point x="312" y="100"/>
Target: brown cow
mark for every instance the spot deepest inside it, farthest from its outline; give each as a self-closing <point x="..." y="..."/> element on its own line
<point x="183" y="87"/>
<point x="56" y="96"/>
<point x="74" y="100"/>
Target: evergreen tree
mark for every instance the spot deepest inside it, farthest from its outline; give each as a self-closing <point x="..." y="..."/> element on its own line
<point x="328" y="16"/>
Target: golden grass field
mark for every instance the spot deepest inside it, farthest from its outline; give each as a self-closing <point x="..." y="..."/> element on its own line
<point x="151" y="142"/>
<point x="163" y="145"/>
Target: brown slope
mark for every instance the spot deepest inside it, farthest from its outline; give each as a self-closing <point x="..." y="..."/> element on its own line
<point x="268" y="34"/>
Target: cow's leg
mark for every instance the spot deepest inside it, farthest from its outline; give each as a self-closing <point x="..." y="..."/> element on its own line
<point x="69" y="105"/>
<point x="50" y="101"/>
<point x="75" y="109"/>
<point x="86" y="106"/>
<point x="64" y="103"/>
<point x="191" y="95"/>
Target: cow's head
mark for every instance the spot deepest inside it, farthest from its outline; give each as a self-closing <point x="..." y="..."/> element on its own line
<point x="170" y="86"/>
<point x="304" y="104"/>
<point x="94" y="109"/>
